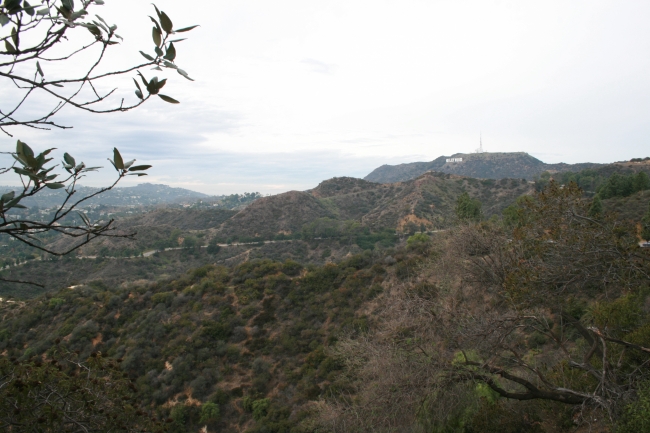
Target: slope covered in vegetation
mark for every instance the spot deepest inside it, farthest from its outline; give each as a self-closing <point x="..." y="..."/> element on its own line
<point x="250" y="339"/>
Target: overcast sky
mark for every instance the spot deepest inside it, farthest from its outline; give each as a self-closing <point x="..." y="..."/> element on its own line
<point x="289" y="93"/>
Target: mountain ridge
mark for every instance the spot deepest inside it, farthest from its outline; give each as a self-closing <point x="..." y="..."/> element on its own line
<point x="486" y="165"/>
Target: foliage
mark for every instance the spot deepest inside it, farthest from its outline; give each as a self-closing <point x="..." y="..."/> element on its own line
<point x="234" y="201"/>
<point x="30" y="36"/>
<point x="596" y="208"/>
<point x="261" y="325"/>
<point x="467" y="208"/>
<point x="636" y="415"/>
<point x="622" y="186"/>
<point x="610" y="181"/>
<point x="90" y="395"/>
<point x="545" y="312"/>
<point x="36" y="37"/>
<point x="645" y="225"/>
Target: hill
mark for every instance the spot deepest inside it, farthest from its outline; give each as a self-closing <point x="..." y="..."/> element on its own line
<point x="488" y="165"/>
<point x="265" y="345"/>
<point x="244" y="337"/>
<point x="140" y="195"/>
<point x="427" y="201"/>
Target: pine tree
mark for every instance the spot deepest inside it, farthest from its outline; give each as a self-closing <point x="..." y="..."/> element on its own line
<point x="596" y="208"/>
<point x="468" y="208"/>
<point x="645" y="223"/>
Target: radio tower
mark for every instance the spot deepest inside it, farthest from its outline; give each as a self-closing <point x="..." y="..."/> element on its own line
<point x="480" y="147"/>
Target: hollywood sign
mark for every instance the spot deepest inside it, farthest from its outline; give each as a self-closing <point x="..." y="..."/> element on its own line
<point x="454" y="159"/>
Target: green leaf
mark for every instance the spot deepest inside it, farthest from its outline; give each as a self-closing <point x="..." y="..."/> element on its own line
<point x="68" y="4"/>
<point x="166" y="22"/>
<point x="139" y="94"/>
<point x="152" y="86"/>
<point x="156" y="23"/>
<point x="169" y="65"/>
<point x="39" y="70"/>
<point x="101" y="26"/>
<point x="23" y="172"/>
<point x="156" y="35"/>
<point x="129" y="164"/>
<point x="84" y="218"/>
<point x="137" y="174"/>
<point x="94" y="30"/>
<point x="178" y="40"/>
<point x="157" y="11"/>
<point x="144" y="80"/>
<point x="55" y="185"/>
<point x="185" y="29"/>
<point x="10" y="48"/>
<point x="8" y="196"/>
<point x="29" y="9"/>
<point x="117" y="159"/>
<point x="158" y="51"/>
<point x="140" y="168"/>
<point x="44" y="11"/>
<point x="171" y="53"/>
<point x="13" y="203"/>
<point x="184" y="74"/>
<point x="24" y="149"/>
<point x="169" y="99"/>
<point x="137" y="85"/>
<point x="4" y="20"/>
<point x="146" y="56"/>
<point x="69" y="159"/>
<point x="99" y="2"/>
<point x="12" y="6"/>
<point x="78" y="14"/>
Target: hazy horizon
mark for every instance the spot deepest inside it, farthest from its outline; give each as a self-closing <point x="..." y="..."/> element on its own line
<point x="290" y="93"/>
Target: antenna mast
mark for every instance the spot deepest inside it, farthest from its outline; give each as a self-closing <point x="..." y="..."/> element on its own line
<point x="480" y="147"/>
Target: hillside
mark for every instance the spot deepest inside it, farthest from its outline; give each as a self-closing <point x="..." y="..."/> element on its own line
<point x="488" y="165"/>
<point x="140" y="195"/>
<point x="427" y="201"/>
<point x="244" y="337"/>
<point x="276" y="346"/>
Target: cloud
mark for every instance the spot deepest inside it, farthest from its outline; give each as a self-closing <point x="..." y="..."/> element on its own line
<point x="320" y="67"/>
<point x="268" y="173"/>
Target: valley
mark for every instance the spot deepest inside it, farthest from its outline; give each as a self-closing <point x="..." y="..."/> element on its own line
<point x="315" y="310"/>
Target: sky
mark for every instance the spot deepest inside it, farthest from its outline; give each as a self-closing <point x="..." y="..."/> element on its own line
<point x="290" y="93"/>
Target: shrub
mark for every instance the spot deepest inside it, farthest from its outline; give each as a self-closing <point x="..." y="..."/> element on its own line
<point x="55" y="302"/>
<point x="210" y="413"/>
<point x="260" y="408"/>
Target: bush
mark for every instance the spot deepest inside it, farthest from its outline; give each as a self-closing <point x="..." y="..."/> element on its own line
<point x="210" y="413"/>
<point x="260" y="408"/>
<point x="636" y="415"/>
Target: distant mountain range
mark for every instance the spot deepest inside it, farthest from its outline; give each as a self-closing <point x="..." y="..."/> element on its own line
<point x="140" y="195"/>
<point x="493" y="165"/>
